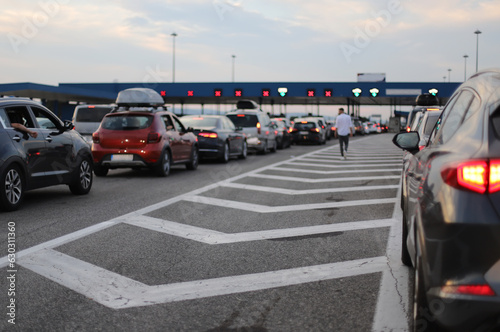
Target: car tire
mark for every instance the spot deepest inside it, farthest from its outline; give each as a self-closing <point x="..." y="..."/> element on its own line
<point x="405" y="255"/>
<point x="13" y="184"/>
<point x="264" y="150"/>
<point x="163" y="168"/>
<point x="423" y="319"/>
<point x="244" y="150"/>
<point x="225" y="153"/>
<point x="193" y="163"/>
<point x="275" y="147"/>
<point x="83" y="181"/>
<point x="100" y="170"/>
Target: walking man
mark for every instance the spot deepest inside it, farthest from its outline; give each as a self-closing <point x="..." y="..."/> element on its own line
<point x="344" y="130"/>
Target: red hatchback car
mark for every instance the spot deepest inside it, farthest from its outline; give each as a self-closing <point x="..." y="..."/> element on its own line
<point x="136" y="136"/>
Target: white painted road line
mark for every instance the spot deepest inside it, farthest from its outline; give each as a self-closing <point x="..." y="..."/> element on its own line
<point x="283" y="208"/>
<point x="340" y="166"/>
<point x="335" y="172"/>
<point x="393" y="292"/>
<point x="283" y="191"/>
<point x="305" y="180"/>
<point x="212" y="237"/>
<point x="349" y="162"/>
<point x="118" y="292"/>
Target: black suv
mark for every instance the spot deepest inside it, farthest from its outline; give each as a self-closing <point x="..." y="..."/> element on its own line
<point x="38" y="150"/>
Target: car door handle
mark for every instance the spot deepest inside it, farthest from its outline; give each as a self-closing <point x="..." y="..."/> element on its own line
<point x="16" y="138"/>
<point x="48" y="139"/>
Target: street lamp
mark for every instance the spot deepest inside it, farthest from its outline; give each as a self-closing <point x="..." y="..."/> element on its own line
<point x="173" y="56"/>
<point x="449" y="74"/>
<point x="444" y="78"/>
<point x="234" y="57"/>
<point x="465" y="67"/>
<point x="477" y="32"/>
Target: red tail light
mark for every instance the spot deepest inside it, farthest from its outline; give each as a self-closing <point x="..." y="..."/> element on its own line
<point x="275" y="132"/>
<point x="208" y="135"/>
<point x="480" y="290"/>
<point x="292" y="130"/>
<point x="476" y="175"/>
<point x="95" y="138"/>
<point x="494" y="176"/>
<point x="154" y="137"/>
<point x="315" y="130"/>
<point x="408" y="129"/>
<point x="258" y="127"/>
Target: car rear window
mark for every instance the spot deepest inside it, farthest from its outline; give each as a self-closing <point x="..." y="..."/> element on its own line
<point x="199" y="122"/>
<point x="91" y="114"/>
<point x="304" y="126"/>
<point x="431" y="122"/>
<point x="244" y="120"/>
<point x="127" y="122"/>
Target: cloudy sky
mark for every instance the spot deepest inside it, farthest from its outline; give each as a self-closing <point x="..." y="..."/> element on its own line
<point x="61" y="41"/>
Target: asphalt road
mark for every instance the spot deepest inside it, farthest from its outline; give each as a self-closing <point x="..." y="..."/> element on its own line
<point x="297" y="240"/>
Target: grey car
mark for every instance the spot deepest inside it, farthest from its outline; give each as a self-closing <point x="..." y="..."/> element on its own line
<point x="257" y="126"/>
<point x="49" y="152"/>
<point x="451" y="212"/>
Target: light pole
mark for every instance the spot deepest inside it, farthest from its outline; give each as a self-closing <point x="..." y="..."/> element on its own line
<point x="449" y="74"/>
<point x="173" y="56"/>
<point x="465" y="67"/>
<point x="444" y="79"/>
<point x="477" y="32"/>
<point x="234" y="57"/>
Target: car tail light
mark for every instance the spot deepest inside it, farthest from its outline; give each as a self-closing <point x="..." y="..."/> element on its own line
<point x="291" y="129"/>
<point x="258" y="128"/>
<point x="408" y="129"/>
<point x="494" y="176"/>
<point x="315" y="130"/>
<point x="476" y="175"/>
<point x="276" y="133"/>
<point x="480" y="290"/>
<point x="95" y="138"/>
<point x="208" y="135"/>
<point x="154" y="137"/>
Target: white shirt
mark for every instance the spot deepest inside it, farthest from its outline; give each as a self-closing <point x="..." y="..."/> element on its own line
<point x="343" y="123"/>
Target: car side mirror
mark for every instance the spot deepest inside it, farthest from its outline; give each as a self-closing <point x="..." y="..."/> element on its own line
<point x="68" y="125"/>
<point x="407" y="141"/>
<point x="190" y="129"/>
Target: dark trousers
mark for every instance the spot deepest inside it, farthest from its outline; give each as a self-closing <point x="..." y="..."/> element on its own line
<point x="343" y="140"/>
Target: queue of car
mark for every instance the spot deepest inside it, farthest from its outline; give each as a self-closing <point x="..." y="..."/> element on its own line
<point x="451" y="209"/>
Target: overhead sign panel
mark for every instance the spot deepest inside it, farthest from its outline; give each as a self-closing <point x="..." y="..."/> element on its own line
<point x="403" y="92"/>
<point x="371" y="77"/>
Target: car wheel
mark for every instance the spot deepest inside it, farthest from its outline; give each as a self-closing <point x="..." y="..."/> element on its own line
<point x="83" y="182"/>
<point x="193" y="163"/>
<point x="163" y="168"/>
<point x="275" y="146"/>
<point x="13" y="185"/>
<point x="423" y="319"/>
<point x="405" y="255"/>
<point x="264" y="150"/>
<point x="244" y="150"/>
<point x="225" y="153"/>
<point x="100" y="170"/>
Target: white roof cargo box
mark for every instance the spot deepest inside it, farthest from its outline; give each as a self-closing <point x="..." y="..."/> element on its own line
<point x="139" y="97"/>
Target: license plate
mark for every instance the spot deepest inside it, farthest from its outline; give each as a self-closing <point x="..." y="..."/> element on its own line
<point x="304" y="133"/>
<point x="122" y="157"/>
